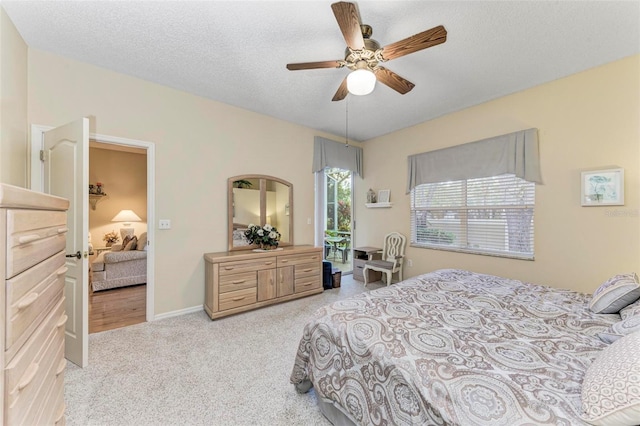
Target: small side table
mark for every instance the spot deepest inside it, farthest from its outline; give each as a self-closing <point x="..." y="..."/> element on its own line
<point x="360" y="256"/>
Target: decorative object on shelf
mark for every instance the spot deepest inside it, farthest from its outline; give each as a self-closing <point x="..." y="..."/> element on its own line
<point x="371" y="196"/>
<point x="603" y="187"/>
<point x="110" y="238"/>
<point x="126" y="216"/>
<point x="267" y="237"/>
<point x="383" y="195"/>
<point x="96" y="189"/>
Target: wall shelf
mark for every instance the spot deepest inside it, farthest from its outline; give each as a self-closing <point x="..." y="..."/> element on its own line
<point x="378" y="205"/>
<point x="94" y="198"/>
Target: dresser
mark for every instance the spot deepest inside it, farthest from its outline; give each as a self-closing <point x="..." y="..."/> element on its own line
<point x="239" y="281"/>
<point x="33" y="231"/>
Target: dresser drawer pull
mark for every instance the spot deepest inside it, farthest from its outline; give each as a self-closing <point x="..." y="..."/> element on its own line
<point x="284" y="261"/>
<point x="60" y="415"/>
<point x="268" y="263"/>
<point x="62" y="321"/>
<point x="308" y="270"/>
<point x="61" y="367"/>
<point x="62" y="271"/>
<point x="237" y="299"/>
<point x="63" y="230"/>
<point x="28" y="376"/>
<point x="314" y="257"/>
<point x="32" y="297"/>
<point x="229" y="268"/>
<point x="239" y="281"/>
<point x="26" y="239"/>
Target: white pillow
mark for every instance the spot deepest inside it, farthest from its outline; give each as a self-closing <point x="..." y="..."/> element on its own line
<point x="616" y="293"/>
<point x="621" y="328"/>
<point x="611" y="385"/>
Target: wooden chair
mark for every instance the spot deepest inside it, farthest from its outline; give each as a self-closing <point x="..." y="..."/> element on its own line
<point x="392" y="258"/>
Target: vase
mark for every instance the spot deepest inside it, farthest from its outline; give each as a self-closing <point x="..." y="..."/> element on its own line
<point x="268" y="247"/>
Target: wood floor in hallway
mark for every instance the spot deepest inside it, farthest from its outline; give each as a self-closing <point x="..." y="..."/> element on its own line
<point x="118" y="307"/>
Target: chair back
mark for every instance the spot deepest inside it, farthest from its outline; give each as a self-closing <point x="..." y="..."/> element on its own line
<point x="393" y="247"/>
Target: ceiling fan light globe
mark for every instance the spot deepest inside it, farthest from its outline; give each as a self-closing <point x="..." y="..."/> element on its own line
<point x="361" y="82"/>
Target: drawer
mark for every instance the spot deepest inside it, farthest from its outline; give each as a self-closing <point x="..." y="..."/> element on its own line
<point x="308" y="283"/>
<point x="235" y="299"/>
<point x="25" y="310"/>
<point x="53" y="407"/>
<point x="33" y="236"/>
<point x="29" y="374"/>
<point x="239" y="281"/>
<point x="297" y="259"/>
<point x="307" y="269"/>
<point x="227" y="268"/>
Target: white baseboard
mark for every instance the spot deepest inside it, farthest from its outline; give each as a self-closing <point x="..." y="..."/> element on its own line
<point x="179" y="312"/>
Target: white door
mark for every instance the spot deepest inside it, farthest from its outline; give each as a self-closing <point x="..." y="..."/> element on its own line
<point x="66" y="174"/>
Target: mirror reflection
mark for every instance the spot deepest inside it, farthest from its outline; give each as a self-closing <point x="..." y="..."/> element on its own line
<point x="259" y="200"/>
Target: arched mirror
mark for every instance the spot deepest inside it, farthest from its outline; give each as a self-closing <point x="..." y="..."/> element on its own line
<point x="258" y="200"/>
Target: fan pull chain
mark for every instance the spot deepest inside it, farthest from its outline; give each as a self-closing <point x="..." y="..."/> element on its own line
<point x="346" y="131"/>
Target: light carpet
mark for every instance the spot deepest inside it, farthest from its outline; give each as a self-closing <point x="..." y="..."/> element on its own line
<point x="189" y="370"/>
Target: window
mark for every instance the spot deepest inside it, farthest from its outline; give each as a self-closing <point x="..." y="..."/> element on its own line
<point x="491" y="215"/>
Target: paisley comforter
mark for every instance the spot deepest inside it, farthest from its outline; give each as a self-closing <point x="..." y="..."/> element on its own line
<point x="453" y="347"/>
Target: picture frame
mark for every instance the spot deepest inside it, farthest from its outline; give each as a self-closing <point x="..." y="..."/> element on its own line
<point x="384" y="195"/>
<point x="602" y="187"/>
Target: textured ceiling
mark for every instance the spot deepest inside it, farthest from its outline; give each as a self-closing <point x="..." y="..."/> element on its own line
<point x="236" y="51"/>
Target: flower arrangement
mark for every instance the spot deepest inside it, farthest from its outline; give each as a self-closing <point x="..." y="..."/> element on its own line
<point x="111" y="237"/>
<point x="267" y="237"/>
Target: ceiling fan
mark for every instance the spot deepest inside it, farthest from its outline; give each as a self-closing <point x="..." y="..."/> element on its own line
<point x="364" y="55"/>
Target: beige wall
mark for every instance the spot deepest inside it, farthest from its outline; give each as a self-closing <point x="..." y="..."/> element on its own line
<point x="586" y="121"/>
<point x="199" y="144"/>
<point x="124" y="179"/>
<point x="13" y="104"/>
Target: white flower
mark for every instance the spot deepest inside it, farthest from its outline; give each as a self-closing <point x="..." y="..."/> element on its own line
<point x="260" y="232"/>
<point x="251" y="225"/>
<point x="268" y="228"/>
<point x="273" y="235"/>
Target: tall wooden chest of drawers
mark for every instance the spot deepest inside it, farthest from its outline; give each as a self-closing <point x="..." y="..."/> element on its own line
<point x="239" y="281"/>
<point x="33" y="232"/>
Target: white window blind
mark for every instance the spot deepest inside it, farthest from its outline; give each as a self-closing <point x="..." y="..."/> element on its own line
<point x="489" y="215"/>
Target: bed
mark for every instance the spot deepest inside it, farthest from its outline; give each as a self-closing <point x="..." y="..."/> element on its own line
<point x="453" y="347"/>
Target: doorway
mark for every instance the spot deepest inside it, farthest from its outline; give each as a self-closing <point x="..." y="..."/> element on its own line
<point x="117" y="283"/>
<point x="336" y="217"/>
<point x="37" y="178"/>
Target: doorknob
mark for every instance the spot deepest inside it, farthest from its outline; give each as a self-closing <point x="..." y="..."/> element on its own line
<point x="78" y="255"/>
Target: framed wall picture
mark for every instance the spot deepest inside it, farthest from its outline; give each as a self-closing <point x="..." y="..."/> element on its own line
<point x="384" y="195"/>
<point x="603" y="187"/>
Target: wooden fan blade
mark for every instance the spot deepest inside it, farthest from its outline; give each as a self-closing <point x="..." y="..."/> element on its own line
<point x="416" y="42"/>
<point x="313" y="65"/>
<point x="342" y="91"/>
<point x="349" y="22"/>
<point x="394" y="81"/>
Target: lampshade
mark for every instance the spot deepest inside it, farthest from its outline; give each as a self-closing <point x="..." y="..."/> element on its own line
<point x="126" y="216"/>
<point x="361" y="82"/>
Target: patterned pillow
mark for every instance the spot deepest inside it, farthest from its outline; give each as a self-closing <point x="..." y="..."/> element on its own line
<point x="611" y="385"/>
<point x="618" y="292"/>
<point x="620" y="329"/>
<point x="631" y="310"/>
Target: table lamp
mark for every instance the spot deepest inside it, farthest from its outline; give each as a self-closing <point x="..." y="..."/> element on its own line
<point x="126" y="216"/>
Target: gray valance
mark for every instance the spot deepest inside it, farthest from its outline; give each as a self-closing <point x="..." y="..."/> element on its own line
<point x="515" y="153"/>
<point x="328" y="153"/>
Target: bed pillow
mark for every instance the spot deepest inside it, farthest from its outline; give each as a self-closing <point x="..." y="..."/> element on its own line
<point x="611" y="385"/>
<point x="620" y="329"/>
<point x="631" y="310"/>
<point x="616" y="293"/>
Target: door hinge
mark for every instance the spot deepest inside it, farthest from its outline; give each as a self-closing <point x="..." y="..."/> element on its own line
<point x="43" y="155"/>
